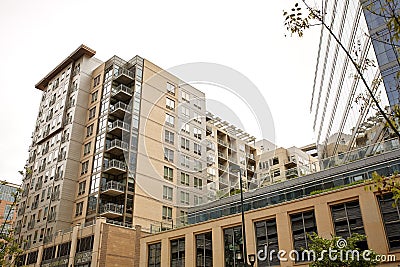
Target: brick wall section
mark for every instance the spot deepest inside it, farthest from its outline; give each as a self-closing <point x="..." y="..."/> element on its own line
<point x="103" y="247"/>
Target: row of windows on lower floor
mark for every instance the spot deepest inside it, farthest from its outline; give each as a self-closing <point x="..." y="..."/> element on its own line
<point x="346" y="218"/>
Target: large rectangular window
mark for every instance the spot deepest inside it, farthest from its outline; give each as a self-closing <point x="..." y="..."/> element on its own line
<point x="303" y="223"/>
<point x="233" y="243"/>
<point x="347" y="220"/>
<point x="204" y="250"/>
<point x="154" y="257"/>
<point x="178" y="252"/>
<point x="391" y="220"/>
<point x="266" y="241"/>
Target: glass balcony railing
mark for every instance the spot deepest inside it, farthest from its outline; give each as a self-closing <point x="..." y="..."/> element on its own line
<point x="121" y="89"/>
<point x="111" y="208"/>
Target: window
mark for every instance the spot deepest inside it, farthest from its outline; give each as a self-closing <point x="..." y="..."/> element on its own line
<point x="391" y="220"/>
<point x="168" y="154"/>
<point x="168" y="173"/>
<point x="81" y="188"/>
<point x="185" y="198"/>
<point x="198" y="182"/>
<point x="94" y="96"/>
<point x="184" y="178"/>
<point x="79" y="208"/>
<point x="197" y="200"/>
<point x="167" y="192"/>
<point x="170" y="104"/>
<point x="89" y="130"/>
<point x="276" y="173"/>
<point x="92" y="113"/>
<point x="275" y="161"/>
<point x="267" y="240"/>
<point x="185" y="143"/>
<point x="154" y="257"/>
<point x="85" y="166"/>
<point x="197" y="149"/>
<point x="197" y="118"/>
<point x="178" y="252"/>
<point x="197" y="103"/>
<point x="347" y="220"/>
<point x="166" y="213"/>
<point x="183" y="218"/>
<point x="96" y="81"/>
<point x="204" y="250"/>
<point x="233" y="242"/>
<point x="170" y="88"/>
<point x="186" y="128"/>
<point x="197" y="165"/>
<point x="303" y="223"/>
<point x="86" y="148"/>
<point x="185" y="112"/>
<point x="185" y="97"/>
<point x="169" y="137"/>
<point x="185" y="161"/>
<point x="197" y="133"/>
<point x="169" y="120"/>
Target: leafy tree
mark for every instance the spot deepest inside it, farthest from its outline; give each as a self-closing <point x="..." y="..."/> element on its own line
<point x="338" y="248"/>
<point x="385" y="185"/>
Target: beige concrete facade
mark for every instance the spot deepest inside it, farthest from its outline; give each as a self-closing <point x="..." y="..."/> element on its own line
<point x="321" y="205"/>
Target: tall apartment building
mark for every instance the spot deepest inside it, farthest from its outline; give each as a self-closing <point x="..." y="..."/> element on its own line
<point x="227" y="148"/>
<point x="279" y="164"/>
<point x="118" y="139"/>
<point x="342" y="110"/>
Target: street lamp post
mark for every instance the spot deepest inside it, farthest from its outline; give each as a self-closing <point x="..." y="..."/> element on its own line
<point x="238" y="169"/>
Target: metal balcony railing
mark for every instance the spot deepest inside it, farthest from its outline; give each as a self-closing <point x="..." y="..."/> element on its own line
<point x="118" y="124"/>
<point x="113" y="185"/>
<point x="121" y="89"/>
<point x="112" y="208"/>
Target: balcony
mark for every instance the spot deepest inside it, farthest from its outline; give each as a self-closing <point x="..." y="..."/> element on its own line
<point x="221" y="155"/>
<point x="116" y="127"/>
<point x="122" y="92"/>
<point x="250" y="168"/>
<point x="250" y="156"/>
<point x="111" y="210"/>
<point x="119" y="109"/>
<point x="116" y="147"/>
<point x="221" y="167"/>
<point x="222" y="142"/>
<point x="291" y="173"/>
<point x="290" y="164"/>
<point x="113" y="188"/>
<point x="124" y="76"/>
<point x="114" y="167"/>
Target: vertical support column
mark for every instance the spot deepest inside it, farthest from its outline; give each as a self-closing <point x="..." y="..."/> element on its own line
<point x="190" y="256"/>
<point x="74" y="241"/>
<point x="138" y="235"/>
<point x="285" y="240"/>
<point x="250" y="237"/>
<point x="372" y="221"/>
<point x="39" y="257"/>
<point x="165" y="249"/>
<point x="218" y="252"/>
<point x="100" y="221"/>
<point x="323" y="218"/>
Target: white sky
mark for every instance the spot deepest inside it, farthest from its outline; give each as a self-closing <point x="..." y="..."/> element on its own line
<point x="38" y="35"/>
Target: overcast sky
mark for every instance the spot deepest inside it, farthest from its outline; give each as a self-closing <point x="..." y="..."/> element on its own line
<point x="38" y="35"/>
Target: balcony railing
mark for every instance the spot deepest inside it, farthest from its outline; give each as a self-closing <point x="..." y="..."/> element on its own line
<point x="119" y="109"/>
<point x="114" y="166"/>
<point x="117" y="127"/>
<point x="221" y="155"/>
<point x="121" y="89"/>
<point x="111" y="210"/>
<point x="123" y="75"/>
<point x="113" y="188"/>
<point x="222" y="142"/>
<point x="116" y="146"/>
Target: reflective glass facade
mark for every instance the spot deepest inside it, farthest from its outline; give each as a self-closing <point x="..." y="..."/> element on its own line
<point x="344" y="116"/>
